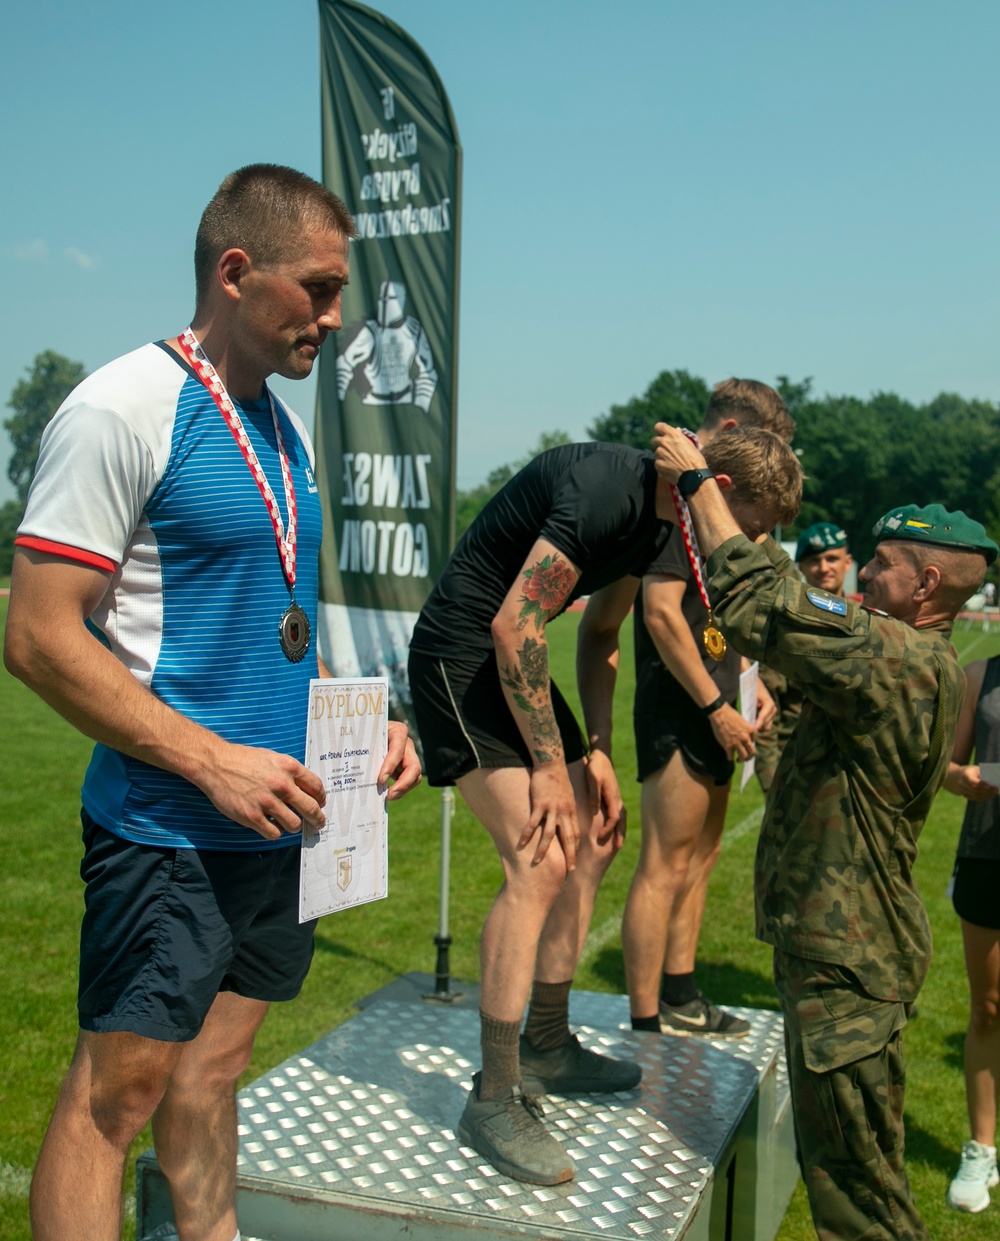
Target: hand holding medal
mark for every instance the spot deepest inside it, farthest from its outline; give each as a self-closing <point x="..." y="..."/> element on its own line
<point x="687" y="483"/>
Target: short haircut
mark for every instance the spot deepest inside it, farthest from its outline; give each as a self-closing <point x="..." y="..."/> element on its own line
<point x="764" y="469"/>
<point x="752" y="404"/>
<point x="263" y="209"/>
<point x="962" y="571"/>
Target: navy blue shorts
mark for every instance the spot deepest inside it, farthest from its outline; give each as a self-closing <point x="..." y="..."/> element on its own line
<point x="165" y="930"/>
<point x="465" y="723"/>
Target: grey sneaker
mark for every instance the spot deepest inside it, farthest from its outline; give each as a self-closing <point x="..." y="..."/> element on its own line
<point x="573" y="1069"/>
<point x="509" y="1134"/>
<point x="701" y="1018"/>
<point x="976" y="1176"/>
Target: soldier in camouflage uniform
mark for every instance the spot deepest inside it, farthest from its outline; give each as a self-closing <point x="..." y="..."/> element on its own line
<point x="823" y="559"/>
<point x="835" y="893"/>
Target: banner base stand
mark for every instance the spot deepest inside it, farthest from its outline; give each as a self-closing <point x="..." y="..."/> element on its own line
<point x="355" y="1137"/>
<point x="442" y="993"/>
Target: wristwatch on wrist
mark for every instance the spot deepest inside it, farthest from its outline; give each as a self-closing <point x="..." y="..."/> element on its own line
<point x="689" y="482"/>
<point x="713" y="706"/>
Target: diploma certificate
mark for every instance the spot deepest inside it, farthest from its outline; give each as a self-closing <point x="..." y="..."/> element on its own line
<point x="346" y="862"/>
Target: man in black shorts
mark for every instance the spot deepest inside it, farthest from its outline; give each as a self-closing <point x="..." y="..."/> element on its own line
<point x="171" y="520"/>
<point x="687" y="729"/>
<point x="576" y="519"/>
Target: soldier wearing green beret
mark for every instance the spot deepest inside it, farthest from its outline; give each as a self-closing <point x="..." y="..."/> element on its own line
<point x="834" y="887"/>
<point x="824" y="559"/>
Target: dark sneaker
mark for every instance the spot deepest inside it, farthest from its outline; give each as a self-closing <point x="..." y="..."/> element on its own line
<point x="509" y="1134"/>
<point x="572" y="1069"/>
<point x="701" y="1018"/>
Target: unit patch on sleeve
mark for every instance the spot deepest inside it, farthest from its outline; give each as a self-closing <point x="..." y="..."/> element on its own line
<point x="828" y="603"/>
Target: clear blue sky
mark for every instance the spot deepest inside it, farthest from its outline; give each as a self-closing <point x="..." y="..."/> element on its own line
<point x="746" y="187"/>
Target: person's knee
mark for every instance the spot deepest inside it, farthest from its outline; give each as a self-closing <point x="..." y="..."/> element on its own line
<point x="120" y="1103"/>
<point x="985" y="1014"/>
<point x="537" y="884"/>
<point x="598" y="848"/>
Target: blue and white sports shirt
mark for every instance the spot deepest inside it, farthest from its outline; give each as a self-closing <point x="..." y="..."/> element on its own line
<point x="139" y="474"/>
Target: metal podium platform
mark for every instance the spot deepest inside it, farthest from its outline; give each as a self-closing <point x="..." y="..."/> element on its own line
<point x="354" y="1138"/>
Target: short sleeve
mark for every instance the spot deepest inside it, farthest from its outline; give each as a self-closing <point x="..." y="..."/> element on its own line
<point x="598" y="503"/>
<point x="92" y="481"/>
<point x="672" y="559"/>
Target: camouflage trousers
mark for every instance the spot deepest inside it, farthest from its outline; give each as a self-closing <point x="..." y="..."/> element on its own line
<point x="845" y="1064"/>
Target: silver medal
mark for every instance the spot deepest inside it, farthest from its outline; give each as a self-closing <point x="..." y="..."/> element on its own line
<point x="294" y="631"/>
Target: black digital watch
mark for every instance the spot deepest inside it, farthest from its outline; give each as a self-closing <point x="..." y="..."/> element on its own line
<point x="689" y="482"/>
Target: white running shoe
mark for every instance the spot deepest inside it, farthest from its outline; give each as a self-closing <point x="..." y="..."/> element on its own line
<point x="976" y="1176"/>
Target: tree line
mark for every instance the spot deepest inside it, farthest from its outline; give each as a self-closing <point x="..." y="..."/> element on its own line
<point x="861" y="457"/>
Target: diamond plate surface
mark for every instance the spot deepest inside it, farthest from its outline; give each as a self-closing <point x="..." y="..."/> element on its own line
<point x="762" y="1047"/>
<point x="369" y="1112"/>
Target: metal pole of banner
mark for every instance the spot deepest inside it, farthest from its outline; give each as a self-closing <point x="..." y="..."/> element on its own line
<point x="442" y="983"/>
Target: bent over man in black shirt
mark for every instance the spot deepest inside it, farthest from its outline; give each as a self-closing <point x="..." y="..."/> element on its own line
<point x="578" y="518"/>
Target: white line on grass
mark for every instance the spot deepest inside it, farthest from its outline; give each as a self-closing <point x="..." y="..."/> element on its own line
<point x="967" y="650"/>
<point x="608" y="931"/>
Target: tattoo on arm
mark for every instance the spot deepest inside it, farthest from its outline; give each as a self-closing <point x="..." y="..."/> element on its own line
<point x="529" y="685"/>
<point x="547" y="586"/>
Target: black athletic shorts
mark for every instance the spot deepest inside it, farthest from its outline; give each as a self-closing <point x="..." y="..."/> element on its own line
<point x="165" y="930"/>
<point x="974" y="891"/>
<point x="659" y="734"/>
<point x="464" y="720"/>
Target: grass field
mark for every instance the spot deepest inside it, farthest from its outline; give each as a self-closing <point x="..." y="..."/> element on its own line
<point x="363" y="949"/>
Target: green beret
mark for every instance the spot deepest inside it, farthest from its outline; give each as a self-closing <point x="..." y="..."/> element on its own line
<point x="821" y="536"/>
<point x="936" y="526"/>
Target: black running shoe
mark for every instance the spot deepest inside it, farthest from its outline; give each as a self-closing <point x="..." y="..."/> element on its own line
<point x="702" y="1019"/>
<point x="574" y="1069"/>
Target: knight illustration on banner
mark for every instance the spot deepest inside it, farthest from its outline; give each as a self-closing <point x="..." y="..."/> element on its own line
<point x="388" y="359"/>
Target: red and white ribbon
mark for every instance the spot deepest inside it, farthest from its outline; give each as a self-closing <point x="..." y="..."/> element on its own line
<point x="687" y="530"/>
<point x="206" y="372"/>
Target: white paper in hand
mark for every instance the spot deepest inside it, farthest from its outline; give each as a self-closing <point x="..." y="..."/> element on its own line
<point x="748" y="709"/>
<point x="346" y="862"/>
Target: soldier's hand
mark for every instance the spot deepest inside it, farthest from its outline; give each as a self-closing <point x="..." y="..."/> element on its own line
<point x="674" y="452"/>
<point x="553" y="813"/>
<point x="733" y="733"/>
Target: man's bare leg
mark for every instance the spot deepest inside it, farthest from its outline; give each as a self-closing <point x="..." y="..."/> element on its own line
<point x="689" y="904"/>
<point x="499" y="798"/>
<point x="195" y="1124"/>
<point x="675" y="803"/>
<point x="566" y="927"/>
<point x="110" y="1091"/>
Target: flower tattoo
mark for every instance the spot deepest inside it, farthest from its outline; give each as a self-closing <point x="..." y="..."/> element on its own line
<point x="546" y="588"/>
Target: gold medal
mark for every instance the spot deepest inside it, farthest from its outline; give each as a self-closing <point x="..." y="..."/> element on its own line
<point x="713" y="640"/>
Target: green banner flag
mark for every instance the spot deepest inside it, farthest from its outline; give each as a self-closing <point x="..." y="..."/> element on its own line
<point x="386" y="413"/>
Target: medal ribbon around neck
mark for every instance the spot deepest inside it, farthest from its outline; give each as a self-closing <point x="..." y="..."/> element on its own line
<point x="712" y="638"/>
<point x="206" y="372"/>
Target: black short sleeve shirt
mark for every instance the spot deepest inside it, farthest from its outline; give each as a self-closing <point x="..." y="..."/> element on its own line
<point x="596" y="503"/>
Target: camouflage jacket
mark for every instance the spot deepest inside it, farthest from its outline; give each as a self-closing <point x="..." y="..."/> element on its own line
<point x="770" y="745"/>
<point x="834" y="871"/>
